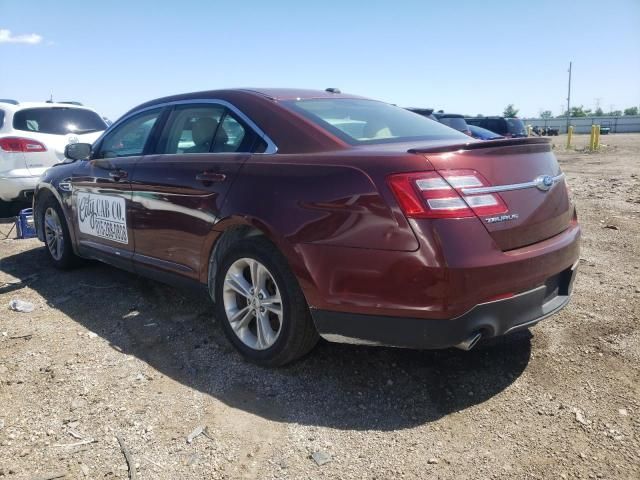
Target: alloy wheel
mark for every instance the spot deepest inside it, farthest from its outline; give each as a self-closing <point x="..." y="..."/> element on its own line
<point x="252" y="303"/>
<point x="53" y="233"/>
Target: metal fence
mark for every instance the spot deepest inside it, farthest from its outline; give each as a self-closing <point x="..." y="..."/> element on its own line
<point x="625" y="124"/>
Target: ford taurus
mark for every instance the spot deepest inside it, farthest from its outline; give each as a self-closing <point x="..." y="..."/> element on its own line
<point x="312" y="214"/>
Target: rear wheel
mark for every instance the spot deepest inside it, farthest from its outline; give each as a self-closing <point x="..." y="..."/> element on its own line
<point x="261" y="306"/>
<point x="56" y="235"/>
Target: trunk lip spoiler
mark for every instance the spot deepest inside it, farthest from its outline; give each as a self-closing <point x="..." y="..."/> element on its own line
<point x="514" y="186"/>
<point x="481" y="144"/>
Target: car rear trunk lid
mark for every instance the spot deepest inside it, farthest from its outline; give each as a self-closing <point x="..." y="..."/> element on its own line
<point x="518" y="169"/>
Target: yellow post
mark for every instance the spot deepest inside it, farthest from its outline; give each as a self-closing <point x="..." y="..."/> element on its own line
<point x="529" y="128"/>
<point x="592" y="138"/>
<point x="569" y="135"/>
<point x="597" y="137"/>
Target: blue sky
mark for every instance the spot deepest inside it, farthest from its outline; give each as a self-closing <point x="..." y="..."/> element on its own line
<point x="463" y="56"/>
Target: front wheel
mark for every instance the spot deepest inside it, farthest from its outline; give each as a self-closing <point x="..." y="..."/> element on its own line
<point x="261" y="306"/>
<point x="56" y="235"/>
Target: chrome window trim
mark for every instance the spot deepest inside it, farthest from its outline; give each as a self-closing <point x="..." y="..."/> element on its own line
<point x="508" y="188"/>
<point x="271" y="146"/>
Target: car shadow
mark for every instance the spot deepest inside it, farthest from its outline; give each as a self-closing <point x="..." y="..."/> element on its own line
<point x="338" y="386"/>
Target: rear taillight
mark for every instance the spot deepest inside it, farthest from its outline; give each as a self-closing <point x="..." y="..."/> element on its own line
<point x="20" y="144"/>
<point x="439" y="194"/>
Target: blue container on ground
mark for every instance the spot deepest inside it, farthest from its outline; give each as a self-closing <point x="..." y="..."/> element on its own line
<point x="24" y="224"/>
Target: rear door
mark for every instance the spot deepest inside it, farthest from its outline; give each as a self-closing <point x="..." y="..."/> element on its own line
<point x="101" y="186"/>
<point x="178" y="191"/>
<point x="525" y="175"/>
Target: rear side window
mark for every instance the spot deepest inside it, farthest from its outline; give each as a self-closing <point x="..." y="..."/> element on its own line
<point x="130" y="137"/>
<point x="358" y="121"/>
<point x="58" y="120"/>
<point x="207" y="128"/>
<point x="1" y="118"/>
<point x="191" y="129"/>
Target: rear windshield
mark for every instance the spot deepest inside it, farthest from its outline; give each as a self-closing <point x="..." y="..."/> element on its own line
<point x="515" y="125"/>
<point x="359" y="121"/>
<point x="58" y="120"/>
<point x="455" y="122"/>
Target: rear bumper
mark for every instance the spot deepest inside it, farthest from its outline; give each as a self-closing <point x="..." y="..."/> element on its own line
<point x="17" y="188"/>
<point x="491" y="319"/>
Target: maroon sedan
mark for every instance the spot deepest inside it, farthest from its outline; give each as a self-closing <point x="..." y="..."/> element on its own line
<point x="312" y="214"/>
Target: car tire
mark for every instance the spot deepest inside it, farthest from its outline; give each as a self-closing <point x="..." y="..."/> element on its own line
<point x="261" y="306"/>
<point x="56" y="235"/>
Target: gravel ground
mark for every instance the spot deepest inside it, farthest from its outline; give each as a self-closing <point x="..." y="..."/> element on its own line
<point x="107" y="354"/>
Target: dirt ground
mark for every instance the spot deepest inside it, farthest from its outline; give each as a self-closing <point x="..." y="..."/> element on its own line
<point x="107" y="354"/>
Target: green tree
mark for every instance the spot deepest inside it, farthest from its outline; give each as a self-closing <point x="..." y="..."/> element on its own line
<point x="579" y="111"/>
<point x="598" y="112"/>
<point x="631" y="111"/>
<point x="614" y="113"/>
<point x="510" y="111"/>
<point x="546" y="114"/>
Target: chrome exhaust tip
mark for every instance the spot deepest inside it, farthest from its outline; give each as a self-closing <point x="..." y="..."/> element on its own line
<point x="469" y="342"/>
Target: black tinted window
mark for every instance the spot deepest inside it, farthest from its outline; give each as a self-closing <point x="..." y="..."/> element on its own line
<point x="454" y="122"/>
<point x="58" y="120"/>
<point x="497" y="125"/>
<point x="516" y="126"/>
<point x="130" y="137"/>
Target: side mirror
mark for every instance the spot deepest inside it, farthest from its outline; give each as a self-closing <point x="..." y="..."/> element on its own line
<point x="78" y="151"/>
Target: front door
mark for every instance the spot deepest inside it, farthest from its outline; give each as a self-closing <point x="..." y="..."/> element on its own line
<point x="178" y="191"/>
<point x="101" y="191"/>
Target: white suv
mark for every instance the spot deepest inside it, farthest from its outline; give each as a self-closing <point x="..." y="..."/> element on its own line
<point x="33" y="137"/>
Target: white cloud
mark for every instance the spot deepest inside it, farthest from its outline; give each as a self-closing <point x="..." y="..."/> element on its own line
<point x="31" y="38"/>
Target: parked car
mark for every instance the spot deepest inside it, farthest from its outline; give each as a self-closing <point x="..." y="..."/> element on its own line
<point x="452" y="120"/>
<point x="507" y="127"/>
<point x="483" y="133"/>
<point x="425" y="112"/>
<point x="33" y="137"/>
<point x="548" y="131"/>
<point x="399" y="232"/>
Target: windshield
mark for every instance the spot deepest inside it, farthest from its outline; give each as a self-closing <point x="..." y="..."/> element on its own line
<point x="58" y="120"/>
<point x="515" y="125"/>
<point x="359" y="121"/>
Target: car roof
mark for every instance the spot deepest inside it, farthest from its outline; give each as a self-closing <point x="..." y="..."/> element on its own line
<point x="296" y="93"/>
<point x="22" y="105"/>
<point x="492" y="117"/>
<point x="448" y="115"/>
<point x="272" y="94"/>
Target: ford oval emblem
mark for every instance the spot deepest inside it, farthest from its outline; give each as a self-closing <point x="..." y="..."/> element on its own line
<point x="544" y="182"/>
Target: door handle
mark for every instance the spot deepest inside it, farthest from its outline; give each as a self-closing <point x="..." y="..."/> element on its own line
<point x="211" y="177"/>
<point x="118" y="174"/>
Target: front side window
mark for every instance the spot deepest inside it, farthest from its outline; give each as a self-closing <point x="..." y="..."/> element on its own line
<point x="130" y="137"/>
<point x="359" y="121"/>
<point x="207" y="128"/>
<point x="58" y="120"/>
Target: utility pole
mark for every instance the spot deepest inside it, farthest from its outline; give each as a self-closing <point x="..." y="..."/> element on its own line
<point x="569" y="99"/>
